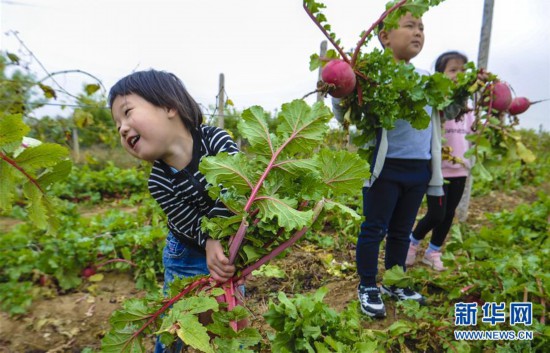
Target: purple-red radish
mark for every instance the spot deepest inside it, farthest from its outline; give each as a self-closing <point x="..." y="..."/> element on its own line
<point x="88" y="272"/>
<point x="501" y="96"/>
<point x="340" y="74"/>
<point x="44" y="280"/>
<point x="521" y="104"/>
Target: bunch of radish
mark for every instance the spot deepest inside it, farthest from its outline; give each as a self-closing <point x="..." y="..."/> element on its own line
<point x="499" y="97"/>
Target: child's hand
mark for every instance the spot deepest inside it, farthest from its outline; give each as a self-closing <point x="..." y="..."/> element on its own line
<point x="483" y="75"/>
<point x="217" y="262"/>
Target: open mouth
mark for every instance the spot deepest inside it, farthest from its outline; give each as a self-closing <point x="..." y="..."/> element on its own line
<point x="132" y="141"/>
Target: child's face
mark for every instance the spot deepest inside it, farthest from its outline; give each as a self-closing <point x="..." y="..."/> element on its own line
<point x="145" y="130"/>
<point x="407" y="40"/>
<point x="453" y="67"/>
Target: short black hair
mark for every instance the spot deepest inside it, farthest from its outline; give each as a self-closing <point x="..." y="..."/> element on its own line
<point x="162" y="89"/>
<point x="444" y="59"/>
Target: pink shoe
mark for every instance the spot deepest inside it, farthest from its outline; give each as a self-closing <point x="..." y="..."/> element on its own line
<point x="411" y="254"/>
<point x="433" y="259"/>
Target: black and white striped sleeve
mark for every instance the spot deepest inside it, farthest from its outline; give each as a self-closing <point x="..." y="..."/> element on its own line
<point x="218" y="140"/>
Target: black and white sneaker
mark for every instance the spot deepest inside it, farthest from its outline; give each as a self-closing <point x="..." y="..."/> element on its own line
<point x="371" y="301"/>
<point x="403" y="294"/>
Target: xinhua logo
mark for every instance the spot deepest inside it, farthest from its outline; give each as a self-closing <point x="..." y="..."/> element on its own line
<point x="519" y="313"/>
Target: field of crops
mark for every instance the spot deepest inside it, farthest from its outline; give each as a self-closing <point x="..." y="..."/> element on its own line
<point x="110" y="224"/>
<point x="82" y="239"/>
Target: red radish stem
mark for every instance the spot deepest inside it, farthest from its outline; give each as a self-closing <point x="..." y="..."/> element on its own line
<point x="334" y="44"/>
<point x="316" y="211"/>
<point x="229" y="298"/>
<point x="19" y="168"/>
<point x="200" y="282"/>
<point x="238" y="239"/>
<point x="368" y="31"/>
<point x="467" y="288"/>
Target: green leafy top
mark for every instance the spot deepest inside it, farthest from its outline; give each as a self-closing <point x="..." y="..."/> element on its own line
<point x="284" y="177"/>
<point x="30" y="168"/>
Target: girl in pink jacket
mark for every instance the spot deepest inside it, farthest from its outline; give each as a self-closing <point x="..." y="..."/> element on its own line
<point x="441" y="209"/>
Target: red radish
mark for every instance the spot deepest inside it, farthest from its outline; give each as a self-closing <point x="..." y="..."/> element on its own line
<point x="501" y="96"/>
<point x="44" y="280"/>
<point x="88" y="272"/>
<point x="340" y="74"/>
<point x="521" y="104"/>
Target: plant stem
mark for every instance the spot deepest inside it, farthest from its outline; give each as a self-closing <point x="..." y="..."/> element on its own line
<point x="368" y="31"/>
<point x="331" y="40"/>
<point x="316" y="211"/>
<point x="237" y="240"/>
<point x="165" y="307"/>
<point x="19" y="168"/>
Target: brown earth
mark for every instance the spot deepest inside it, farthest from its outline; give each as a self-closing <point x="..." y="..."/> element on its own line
<point x="72" y="322"/>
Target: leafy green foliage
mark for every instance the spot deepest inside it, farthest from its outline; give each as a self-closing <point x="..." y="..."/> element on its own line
<point x="27" y="254"/>
<point x="29" y="170"/>
<point x="504" y="261"/>
<point x="110" y="182"/>
<point x="16" y="86"/>
<point x="306" y="324"/>
<point x="283" y="176"/>
<point x="512" y="173"/>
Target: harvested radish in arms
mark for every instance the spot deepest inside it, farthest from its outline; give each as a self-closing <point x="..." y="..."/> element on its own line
<point x="497" y="96"/>
<point x="340" y="77"/>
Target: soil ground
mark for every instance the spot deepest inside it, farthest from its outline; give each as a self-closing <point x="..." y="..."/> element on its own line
<point x="72" y="322"/>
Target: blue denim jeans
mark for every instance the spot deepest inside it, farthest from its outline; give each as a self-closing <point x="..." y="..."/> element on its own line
<point x="180" y="260"/>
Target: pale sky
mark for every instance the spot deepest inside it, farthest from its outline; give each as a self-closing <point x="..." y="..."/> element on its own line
<point x="262" y="47"/>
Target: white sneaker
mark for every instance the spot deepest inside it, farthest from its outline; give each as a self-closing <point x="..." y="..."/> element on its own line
<point x="403" y="294"/>
<point x="371" y="301"/>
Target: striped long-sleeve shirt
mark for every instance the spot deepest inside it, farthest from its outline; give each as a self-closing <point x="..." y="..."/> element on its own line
<point x="182" y="195"/>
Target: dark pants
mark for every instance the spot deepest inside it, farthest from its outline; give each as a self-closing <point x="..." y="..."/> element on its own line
<point x="390" y="206"/>
<point x="441" y="211"/>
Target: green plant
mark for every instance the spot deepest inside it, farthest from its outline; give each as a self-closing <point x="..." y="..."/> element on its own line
<point x="273" y="209"/>
<point x="306" y="324"/>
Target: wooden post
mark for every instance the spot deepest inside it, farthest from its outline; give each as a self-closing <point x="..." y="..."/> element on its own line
<point x="485" y="38"/>
<point x="482" y="62"/>
<point x="322" y="53"/>
<point x="221" y="101"/>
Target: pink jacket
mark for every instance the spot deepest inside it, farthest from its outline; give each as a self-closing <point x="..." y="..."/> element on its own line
<point x="455" y="133"/>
